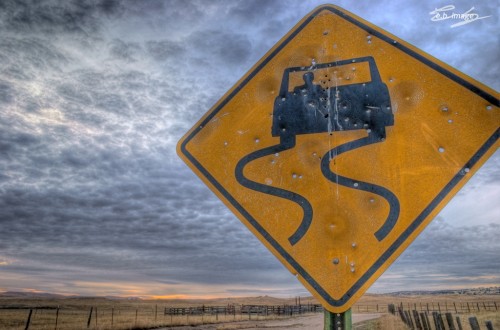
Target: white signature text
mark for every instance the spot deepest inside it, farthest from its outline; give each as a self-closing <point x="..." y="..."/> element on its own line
<point x="447" y="12"/>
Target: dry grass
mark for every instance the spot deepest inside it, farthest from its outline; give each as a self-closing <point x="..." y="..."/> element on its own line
<point x="482" y="317"/>
<point x="121" y="314"/>
<point x="393" y="322"/>
<point x="385" y="322"/>
<point x="118" y="314"/>
<point x="122" y="319"/>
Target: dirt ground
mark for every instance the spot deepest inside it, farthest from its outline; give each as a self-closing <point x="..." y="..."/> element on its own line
<point x="309" y="322"/>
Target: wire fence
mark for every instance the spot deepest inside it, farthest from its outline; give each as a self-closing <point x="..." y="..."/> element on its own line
<point x="43" y="318"/>
<point x="145" y="316"/>
<point x="432" y="319"/>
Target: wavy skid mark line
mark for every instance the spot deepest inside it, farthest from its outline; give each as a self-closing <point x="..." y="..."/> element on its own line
<point x="278" y="192"/>
<point x="368" y="187"/>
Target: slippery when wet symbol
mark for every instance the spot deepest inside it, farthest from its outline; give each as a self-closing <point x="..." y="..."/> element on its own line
<point x="328" y="108"/>
<point x="340" y="146"/>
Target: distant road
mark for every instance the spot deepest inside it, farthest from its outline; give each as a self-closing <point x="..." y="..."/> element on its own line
<point x="309" y="322"/>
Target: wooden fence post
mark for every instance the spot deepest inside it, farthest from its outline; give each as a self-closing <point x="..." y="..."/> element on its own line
<point x="434" y="318"/>
<point x="112" y="316"/>
<point x="402" y="315"/>
<point x="474" y="324"/>
<point x="449" y="320"/>
<point x="489" y="325"/>
<point x="441" y="322"/>
<point x="459" y="323"/>
<point x="57" y="317"/>
<point x="410" y="321"/>
<point x="90" y="317"/>
<point x="418" y="325"/>
<point x="28" y="320"/>
<point x="425" y="322"/>
<point x="437" y="320"/>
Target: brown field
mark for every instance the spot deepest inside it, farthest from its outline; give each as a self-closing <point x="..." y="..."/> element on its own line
<point x="123" y="314"/>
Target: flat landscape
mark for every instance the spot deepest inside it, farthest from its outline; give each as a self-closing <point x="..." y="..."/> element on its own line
<point x="370" y="312"/>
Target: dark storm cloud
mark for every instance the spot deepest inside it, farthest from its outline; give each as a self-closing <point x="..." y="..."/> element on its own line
<point x="55" y="17"/>
<point x="172" y="244"/>
<point x="474" y="42"/>
<point x="140" y="205"/>
<point x="6" y="93"/>
<point x="173" y="10"/>
<point x="127" y="51"/>
<point x="474" y="246"/>
<point x="22" y="57"/>
<point x="446" y="256"/>
<point x="254" y="11"/>
<point x="264" y="22"/>
<point x="93" y="97"/>
<point x="229" y="48"/>
<point x="164" y="50"/>
<point x="269" y="19"/>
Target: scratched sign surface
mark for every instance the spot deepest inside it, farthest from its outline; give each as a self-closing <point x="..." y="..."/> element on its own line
<point x="339" y="146"/>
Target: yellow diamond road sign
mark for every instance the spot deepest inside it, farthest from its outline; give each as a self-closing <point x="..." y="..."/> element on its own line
<point x="339" y="146"/>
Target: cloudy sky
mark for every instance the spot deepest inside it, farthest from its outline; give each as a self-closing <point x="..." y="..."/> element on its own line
<point x="94" y="96"/>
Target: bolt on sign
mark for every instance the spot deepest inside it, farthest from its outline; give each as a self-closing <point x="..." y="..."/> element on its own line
<point x="339" y="146"/>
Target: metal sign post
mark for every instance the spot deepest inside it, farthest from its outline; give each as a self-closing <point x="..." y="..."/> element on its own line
<point x="338" y="321"/>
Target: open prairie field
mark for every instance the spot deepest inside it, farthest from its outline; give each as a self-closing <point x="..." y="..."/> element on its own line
<point x="104" y="313"/>
<point x="370" y="312"/>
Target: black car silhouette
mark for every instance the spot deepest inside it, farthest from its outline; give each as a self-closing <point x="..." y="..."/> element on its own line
<point x="312" y="108"/>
